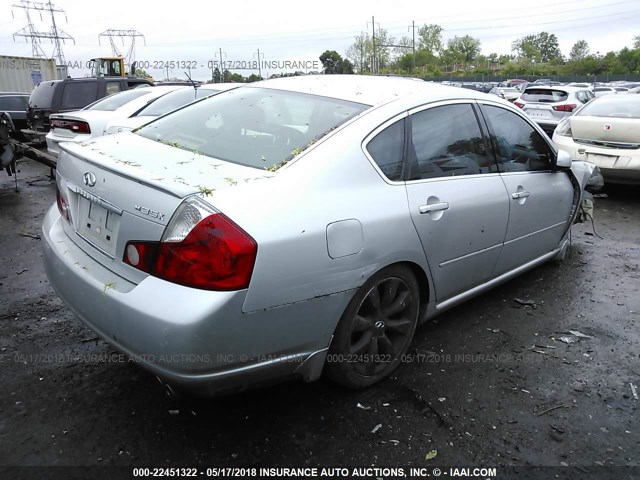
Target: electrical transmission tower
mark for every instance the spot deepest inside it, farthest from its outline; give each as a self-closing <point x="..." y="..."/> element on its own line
<point x="112" y="33"/>
<point x="30" y="32"/>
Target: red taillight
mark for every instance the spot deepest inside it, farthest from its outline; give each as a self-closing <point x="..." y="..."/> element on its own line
<point x="564" y="108"/>
<point x="518" y="104"/>
<point x="215" y="255"/>
<point x="63" y="206"/>
<point x="73" y="125"/>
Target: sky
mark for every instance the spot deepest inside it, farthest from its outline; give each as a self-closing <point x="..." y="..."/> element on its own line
<point x="193" y="32"/>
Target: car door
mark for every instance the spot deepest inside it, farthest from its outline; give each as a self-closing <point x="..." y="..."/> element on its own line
<point x="457" y="200"/>
<point x="540" y="198"/>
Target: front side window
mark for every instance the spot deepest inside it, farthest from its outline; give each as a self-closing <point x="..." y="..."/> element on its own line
<point x="447" y="141"/>
<point x="387" y="149"/>
<point x="252" y="126"/>
<point x="519" y="147"/>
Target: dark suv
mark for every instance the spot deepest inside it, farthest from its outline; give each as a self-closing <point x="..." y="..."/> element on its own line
<point x="59" y="96"/>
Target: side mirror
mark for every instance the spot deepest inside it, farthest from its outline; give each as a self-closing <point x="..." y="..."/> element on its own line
<point x="563" y="159"/>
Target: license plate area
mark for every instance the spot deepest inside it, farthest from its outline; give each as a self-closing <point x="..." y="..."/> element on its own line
<point x="98" y="225"/>
<point x="603" y="161"/>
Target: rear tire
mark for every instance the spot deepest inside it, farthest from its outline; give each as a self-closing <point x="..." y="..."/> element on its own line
<point x="376" y="329"/>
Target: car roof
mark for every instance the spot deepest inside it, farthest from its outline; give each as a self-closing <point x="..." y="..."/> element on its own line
<point x="568" y="88"/>
<point x="366" y="89"/>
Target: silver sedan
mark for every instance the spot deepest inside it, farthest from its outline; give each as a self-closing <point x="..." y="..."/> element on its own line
<point x="302" y="225"/>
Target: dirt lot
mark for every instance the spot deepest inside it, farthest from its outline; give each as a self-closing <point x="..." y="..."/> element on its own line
<point x="494" y="382"/>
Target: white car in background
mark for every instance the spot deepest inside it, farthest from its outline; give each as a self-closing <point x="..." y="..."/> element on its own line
<point x="90" y="122"/>
<point x="608" y="90"/>
<point x="171" y="101"/>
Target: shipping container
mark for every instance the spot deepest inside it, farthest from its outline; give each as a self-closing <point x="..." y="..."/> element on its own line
<point x="22" y="74"/>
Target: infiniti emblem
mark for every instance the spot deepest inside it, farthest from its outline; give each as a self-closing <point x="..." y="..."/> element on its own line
<point x="89" y="179"/>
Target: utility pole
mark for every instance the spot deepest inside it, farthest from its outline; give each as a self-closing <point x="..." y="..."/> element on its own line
<point x="373" y="40"/>
<point x="220" y="52"/>
<point x="54" y="35"/>
<point x="374" y="63"/>
<point x="413" y="47"/>
<point x="259" y="62"/>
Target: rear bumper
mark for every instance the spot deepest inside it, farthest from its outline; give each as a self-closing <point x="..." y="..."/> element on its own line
<point x="198" y="340"/>
<point x="54" y="141"/>
<point x="616" y="165"/>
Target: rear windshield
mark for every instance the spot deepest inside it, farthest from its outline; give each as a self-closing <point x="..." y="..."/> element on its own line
<point x="42" y="95"/>
<point x="624" y="106"/>
<point x="544" y="95"/>
<point x="252" y="126"/>
<point x="174" y="100"/>
<point x="117" y="100"/>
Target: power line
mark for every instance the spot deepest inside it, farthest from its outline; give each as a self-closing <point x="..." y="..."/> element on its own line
<point x="112" y="33"/>
<point x="30" y="32"/>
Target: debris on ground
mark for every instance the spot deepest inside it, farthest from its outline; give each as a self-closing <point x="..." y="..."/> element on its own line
<point x="362" y="407"/>
<point x="579" y="334"/>
<point x="526" y="303"/>
<point x="376" y="428"/>
<point x="634" y="391"/>
<point x="431" y="455"/>
<point x="568" y="340"/>
<point x="174" y="412"/>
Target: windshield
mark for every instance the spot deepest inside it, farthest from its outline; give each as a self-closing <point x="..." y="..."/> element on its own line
<point x="251" y="126"/>
<point x="172" y="101"/>
<point x="117" y="100"/>
<point x="627" y="106"/>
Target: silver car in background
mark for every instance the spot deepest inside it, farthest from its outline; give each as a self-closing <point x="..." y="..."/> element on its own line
<point x="302" y="225"/>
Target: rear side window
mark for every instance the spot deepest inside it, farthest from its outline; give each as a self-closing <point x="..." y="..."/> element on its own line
<point x="387" y="149"/>
<point x="78" y="94"/>
<point x="42" y="95"/>
<point x="113" y="87"/>
<point x="447" y="141"/>
<point x="13" y="104"/>
<point x="544" y="95"/>
<point x="113" y="102"/>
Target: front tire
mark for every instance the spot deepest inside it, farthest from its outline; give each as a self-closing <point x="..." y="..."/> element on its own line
<point x="376" y="329"/>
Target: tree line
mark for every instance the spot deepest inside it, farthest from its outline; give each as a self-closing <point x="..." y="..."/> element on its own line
<point x="429" y="55"/>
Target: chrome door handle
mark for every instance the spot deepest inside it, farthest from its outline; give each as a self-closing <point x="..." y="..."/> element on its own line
<point x="518" y="195"/>
<point x="433" y="207"/>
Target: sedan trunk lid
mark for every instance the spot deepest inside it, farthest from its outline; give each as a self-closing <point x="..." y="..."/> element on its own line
<point x="125" y="187"/>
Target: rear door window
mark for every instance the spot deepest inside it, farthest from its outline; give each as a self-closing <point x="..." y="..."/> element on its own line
<point x="544" y="95"/>
<point x="78" y="94"/>
<point x="447" y="141"/>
